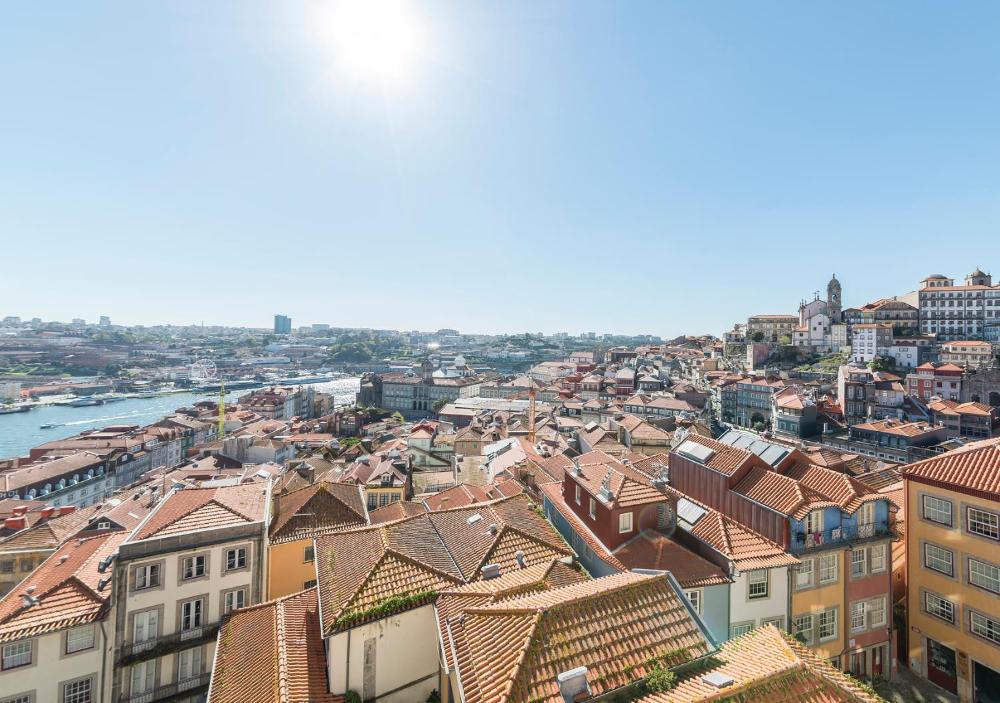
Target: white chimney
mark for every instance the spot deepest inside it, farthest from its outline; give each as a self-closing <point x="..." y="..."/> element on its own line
<point x="573" y="685"/>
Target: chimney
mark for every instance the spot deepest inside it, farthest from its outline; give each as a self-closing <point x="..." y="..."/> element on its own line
<point x="47" y="512"/>
<point x="573" y="685"/>
<point x="15" y="523"/>
<point x="490" y="571"/>
<point x="519" y="555"/>
<point x="20" y="510"/>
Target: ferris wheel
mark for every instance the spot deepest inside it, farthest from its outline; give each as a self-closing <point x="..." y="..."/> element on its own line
<point x="203" y="370"/>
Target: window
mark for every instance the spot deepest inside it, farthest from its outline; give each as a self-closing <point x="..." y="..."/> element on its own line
<point x="143" y="677"/>
<point x="236" y="558"/>
<point x="939" y="559"/>
<point x="937" y="510"/>
<point x="145" y="626"/>
<point x="804" y="627"/>
<point x="194" y="567"/>
<point x="235" y="600"/>
<point x="372" y="501"/>
<point x="7" y="566"/>
<point x="939" y="607"/>
<point x="79" y="639"/>
<point x="878" y="558"/>
<point x="311" y="583"/>
<point x="191" y="614"/>
<point x="740" y="628"/>
<point x="309" y="554"/>
<point x="827" y="625"/>
<point x="624" y="523"/>
<point x="694" y="597"/>
<point x="804" y="574"/>
<point x="25" y="698"/>
<point x="383" y="500"/>
<point x="593" y="509"/>
<point x="778" y="622"/>
<point x="984" y="575"/>
<point x="866" y="515"/>
<point x="876" y="612"/>
<point x="16" y="654"/>
<point x="147" y="576"/>
<point x="78" y="691"/>
<point x="814" y="521"/>
<point x="757" y="584"/>
<point x="828" y="568"/>
<point x="857" y="562"/>
<point x="858" y="616"/>
<point x="578" y="494"/>
<point x="27" y="565"/>
<point x="985" y="627"/>
<point x="984" y="524"/>
<point x="189" y="664"/>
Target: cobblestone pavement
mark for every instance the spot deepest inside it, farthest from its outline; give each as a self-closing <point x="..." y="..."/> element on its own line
<point x="908" y="688"/>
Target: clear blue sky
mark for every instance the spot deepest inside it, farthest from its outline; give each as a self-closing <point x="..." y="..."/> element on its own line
<point x="549" y="166"/>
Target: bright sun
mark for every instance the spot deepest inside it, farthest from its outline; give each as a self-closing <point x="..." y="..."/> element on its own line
<point x="378" y="41"/>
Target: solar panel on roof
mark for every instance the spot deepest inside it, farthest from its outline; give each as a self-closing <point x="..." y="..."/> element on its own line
<point x="774" y="454"/>
<point x="695" y="451"/>
<point x="689" y="512"/>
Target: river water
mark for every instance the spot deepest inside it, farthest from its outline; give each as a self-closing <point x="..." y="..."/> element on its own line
<point x="19" y="432"/>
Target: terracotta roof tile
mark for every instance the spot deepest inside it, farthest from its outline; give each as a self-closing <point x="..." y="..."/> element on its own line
<point x="67" y="590"/>
<point x="512" y="650"/>
<point x="780" y="493"/>
<point x="192" y="509"/>
<point x="322" y="507"/>
<point x="972" y="468"/>
<point x="359" y="569"/>
<point x="747" y="549"/>
<point x="396" y="511"/>
<point x="766" y="665"/>
<point x="272" y="653"/>
<point x="653" y="550"/>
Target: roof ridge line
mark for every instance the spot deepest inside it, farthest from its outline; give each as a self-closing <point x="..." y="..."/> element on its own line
<point x="280" y="653"/>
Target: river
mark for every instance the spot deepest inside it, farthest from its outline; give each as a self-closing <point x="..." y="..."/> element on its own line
<point x="19" y="432"/>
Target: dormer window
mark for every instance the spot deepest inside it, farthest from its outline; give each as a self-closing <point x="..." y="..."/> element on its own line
<point x="624" y="523"/>
<point x="814" y="522"/>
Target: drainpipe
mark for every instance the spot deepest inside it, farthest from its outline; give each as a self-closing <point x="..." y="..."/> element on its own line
<point x="347" y="671"/>
<point x="104" y="659"/>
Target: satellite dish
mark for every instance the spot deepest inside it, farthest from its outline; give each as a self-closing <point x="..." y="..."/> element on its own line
<point x="203" y="369"/>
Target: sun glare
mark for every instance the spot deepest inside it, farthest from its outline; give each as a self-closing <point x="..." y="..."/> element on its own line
<point x="374" y="40"/>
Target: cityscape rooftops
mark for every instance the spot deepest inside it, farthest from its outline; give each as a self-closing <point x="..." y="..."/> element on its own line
<point x="322" y="507"/>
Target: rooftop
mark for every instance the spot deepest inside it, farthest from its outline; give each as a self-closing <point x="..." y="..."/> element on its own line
<point x="272" y="653"/>
<point x="193" y="509"/>
<point x="974" y="468"/>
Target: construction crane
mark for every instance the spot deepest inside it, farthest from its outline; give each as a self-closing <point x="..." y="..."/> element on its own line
<point x="222" y="408"/>
<point x="531" y="411"/>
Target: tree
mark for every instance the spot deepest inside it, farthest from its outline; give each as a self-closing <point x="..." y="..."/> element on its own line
<point x="882" y="363"/>
<point x="784" y="340"/>
<point x="439" y="404"/>
<point x="757" y="337"/>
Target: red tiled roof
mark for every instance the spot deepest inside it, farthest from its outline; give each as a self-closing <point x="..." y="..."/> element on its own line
<point x="396" y="511"/>
<point x="727" y="460"/>
<point x="511" y="651"/>
<point x="747" y="549"/>
<point x="780" y="493"/>
<point x="360" y="569"/>
<point x="653" y="550"/>
<point x="554" y="492"/>
<point x="322" y="507"/>
<point x="768" y="666"/>
<point x="973" y="468"/>
<point x="272" y="653"/>
<point x="67" y="590"/>
<point x="191" y="509"/>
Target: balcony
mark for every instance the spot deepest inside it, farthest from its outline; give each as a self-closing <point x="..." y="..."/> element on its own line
<point x="842" y="536"/>
<point x="132" y="652"/>
<point x="171" y="691"/>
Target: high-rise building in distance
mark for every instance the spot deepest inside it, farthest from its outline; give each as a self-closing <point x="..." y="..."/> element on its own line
<point x="282" y="324"/>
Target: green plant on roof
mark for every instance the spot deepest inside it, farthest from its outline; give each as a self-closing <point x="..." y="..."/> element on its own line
<point x="393" y="604"/>
<point x="660" y="679"/>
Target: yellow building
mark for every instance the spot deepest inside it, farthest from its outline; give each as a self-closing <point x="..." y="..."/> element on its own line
<point x="298" y="517"/>
<point x="818" y="598"/>
<point x="953" y="569"/>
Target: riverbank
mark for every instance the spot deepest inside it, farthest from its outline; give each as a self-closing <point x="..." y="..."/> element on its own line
<point x="19" y="432"/>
